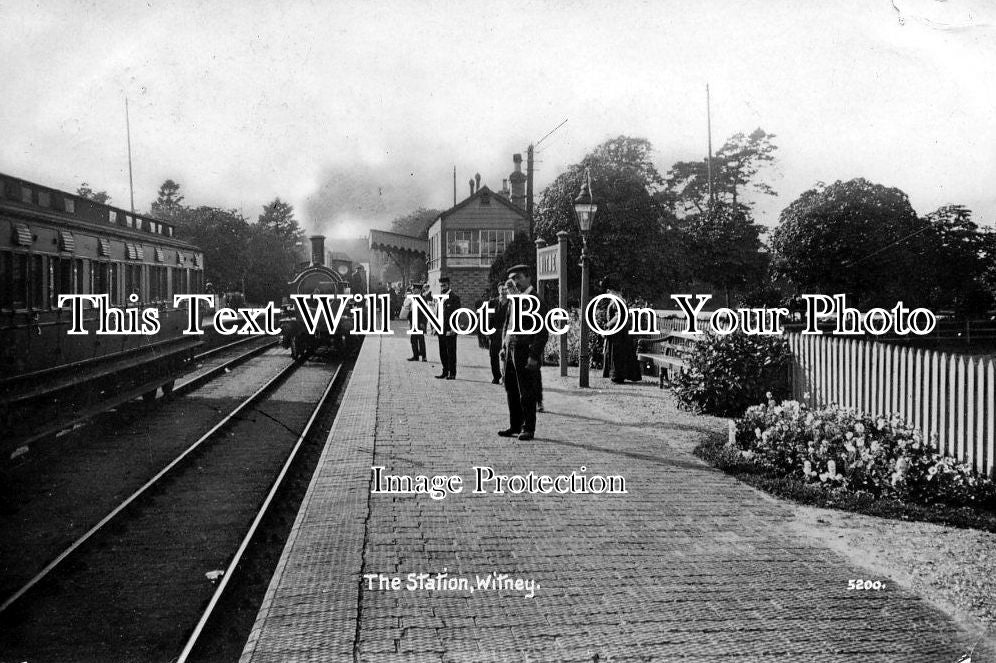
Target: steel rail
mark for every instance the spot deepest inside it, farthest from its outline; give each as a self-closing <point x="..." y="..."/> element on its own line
<point x="186" y="386"/>
<point x="222" y="348"/>
<point x="230" y="569"/>
<point x="132" y="394"/>
<point x="275" y="380"/>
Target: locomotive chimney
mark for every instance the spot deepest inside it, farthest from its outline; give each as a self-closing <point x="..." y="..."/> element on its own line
<point x="317" y="249"/>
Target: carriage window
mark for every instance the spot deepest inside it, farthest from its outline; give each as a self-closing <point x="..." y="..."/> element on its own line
<point x="36" y="282"/>
<point x="133" y="282"/>
<point x="70" y="205"/>
<point x="44" y="199"/>
<point x="6" y="283"/>
<point x="19" y="280"/>
<point x="25" y="194"/>
<point x="79" y="272"/>
<point x="105" y="281"/>
<point x="157" y="284"/>
<point x="98" y="278"/>
<point x="60" y="279"/>
<point x="113" y="283"/>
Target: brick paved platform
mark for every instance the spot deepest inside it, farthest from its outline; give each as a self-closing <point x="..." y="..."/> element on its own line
<point x="689" y="565"/>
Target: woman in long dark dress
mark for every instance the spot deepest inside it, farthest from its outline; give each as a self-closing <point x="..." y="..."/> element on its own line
<point x="620" y="360"/>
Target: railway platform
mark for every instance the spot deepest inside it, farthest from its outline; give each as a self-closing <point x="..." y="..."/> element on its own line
<point x="688" y="564"/>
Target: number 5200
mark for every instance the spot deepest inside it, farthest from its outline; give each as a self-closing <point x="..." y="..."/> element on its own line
<point x="865" y="584"/>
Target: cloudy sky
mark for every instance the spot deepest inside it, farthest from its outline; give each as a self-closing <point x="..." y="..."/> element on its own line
<point x="356" y="112"/>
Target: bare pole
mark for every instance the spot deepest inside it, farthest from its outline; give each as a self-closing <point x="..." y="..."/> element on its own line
<point x="709" y="130"/>
<point x="529" y="186"/>
<point x="131" y="183"/>
<point x="454" y="185"/>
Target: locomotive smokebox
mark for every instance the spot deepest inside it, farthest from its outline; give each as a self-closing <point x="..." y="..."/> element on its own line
<point x="317" y="249"/>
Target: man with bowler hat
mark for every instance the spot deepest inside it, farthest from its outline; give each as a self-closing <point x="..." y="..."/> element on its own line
<point x="522" y="364"/>
<point x="448" y="337"/>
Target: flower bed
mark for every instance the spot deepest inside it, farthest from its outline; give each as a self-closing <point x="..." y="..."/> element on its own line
<point x="839" y="449"/>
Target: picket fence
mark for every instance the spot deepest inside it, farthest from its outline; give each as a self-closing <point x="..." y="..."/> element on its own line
<point x="949" y="397"/>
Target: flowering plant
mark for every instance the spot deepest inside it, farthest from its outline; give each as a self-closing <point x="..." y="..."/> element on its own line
<point x="840" y="448"/>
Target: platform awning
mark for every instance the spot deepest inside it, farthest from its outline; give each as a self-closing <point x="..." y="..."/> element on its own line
<point x="381" y="240"/>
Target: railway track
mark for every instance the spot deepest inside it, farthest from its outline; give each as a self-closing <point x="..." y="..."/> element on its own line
<point x="149" y="558"/>
<point x="217" y="359"/>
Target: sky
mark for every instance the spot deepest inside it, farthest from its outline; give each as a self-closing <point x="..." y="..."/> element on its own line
<point x="357" y="112"/>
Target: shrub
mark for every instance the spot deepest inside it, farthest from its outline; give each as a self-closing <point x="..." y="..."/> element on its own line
<point x="551" y="353"/>
<point x="838" y="448"/>
<point x="726" y="374"/>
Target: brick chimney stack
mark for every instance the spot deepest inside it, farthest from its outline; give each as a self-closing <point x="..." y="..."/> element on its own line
<point x="517" y="181"/>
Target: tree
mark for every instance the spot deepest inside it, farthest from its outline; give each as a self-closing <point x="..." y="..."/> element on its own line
<point x="415" y="224"/>
<point x="856" y="238"/>
<point x="735" y="166"/>
<point x="278" y="216"/>
<point x="270" y="263"/>
<point x="633" y="236"/>
<point x="957" y="255"/>
<point x="520" y="251"/>
<point x="223" y="236"/>
<point x="168" y="202"/>
<point x="272" y="252"/>
<point x="726" y="249"/>
<point x="86" y="192"/>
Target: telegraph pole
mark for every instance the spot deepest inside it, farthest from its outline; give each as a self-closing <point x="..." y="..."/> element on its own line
<point x="529" y="187"/>
<point x="709" y="130"/>
<point x="131" y="184"/>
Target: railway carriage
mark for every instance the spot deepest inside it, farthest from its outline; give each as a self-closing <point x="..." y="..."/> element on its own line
<point x="53" y="243"/>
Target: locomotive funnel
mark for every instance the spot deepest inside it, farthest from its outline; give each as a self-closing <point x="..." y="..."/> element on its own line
<point x="317" y="249"/>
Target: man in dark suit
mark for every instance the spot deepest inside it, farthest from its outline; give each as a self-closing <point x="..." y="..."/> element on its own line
<point x="448" y="337"/>
<point x="523" y="356"/>
<point x="499" y="308"/>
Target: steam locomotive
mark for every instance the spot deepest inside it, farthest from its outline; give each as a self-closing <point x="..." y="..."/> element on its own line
<point x="316" y="279"/>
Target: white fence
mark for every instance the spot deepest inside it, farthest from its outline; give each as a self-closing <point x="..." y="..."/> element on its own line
<point x="949" y="396"/>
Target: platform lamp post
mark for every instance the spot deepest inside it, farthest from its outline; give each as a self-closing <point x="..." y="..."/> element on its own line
<point x="584" y="208"/>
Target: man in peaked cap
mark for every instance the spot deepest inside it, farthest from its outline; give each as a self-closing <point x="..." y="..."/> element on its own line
<point x="523" y="357"/>
<point x="448" y="337"/>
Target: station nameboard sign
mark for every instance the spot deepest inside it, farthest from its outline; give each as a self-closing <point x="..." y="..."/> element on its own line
<point x="548" y="263"/>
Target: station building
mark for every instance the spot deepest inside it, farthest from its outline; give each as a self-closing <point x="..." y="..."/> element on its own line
<point x="465" y="239"/>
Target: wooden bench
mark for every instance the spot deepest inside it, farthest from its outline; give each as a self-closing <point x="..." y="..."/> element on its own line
<point x="667" y="355"/>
